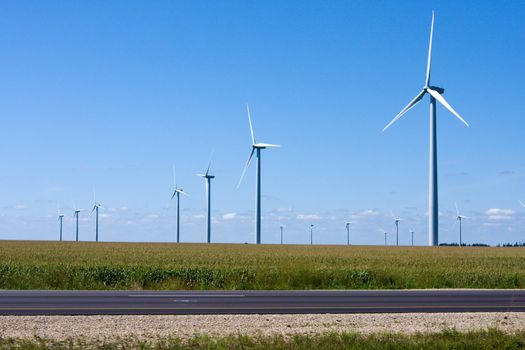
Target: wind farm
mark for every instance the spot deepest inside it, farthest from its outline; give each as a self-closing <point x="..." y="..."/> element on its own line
<point x="315" y="222"/>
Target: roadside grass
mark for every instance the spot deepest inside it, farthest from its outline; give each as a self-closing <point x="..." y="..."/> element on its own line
<point x="88" y="266"/>
<point x="480" y="340"/>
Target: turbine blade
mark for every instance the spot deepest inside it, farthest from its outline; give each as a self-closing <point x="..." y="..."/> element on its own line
<point x="209" y="163"/>
<point x="246" y="167"/>
<point x="427" y="81"/>
<point x="184" y="193"/>
<point x="250" y="121"/>
<point x="522" y="204"/>
<point x="407" y="108"/>
<point x="442" y="100"/>
<point x="457" y="209"/>
<point x="174" y="193"/>
<point x="94" y="207"/>
<point x="74" y="206"/>
<point x="266" y="145"/>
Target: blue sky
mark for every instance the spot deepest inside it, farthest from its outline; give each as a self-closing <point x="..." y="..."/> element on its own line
<point x="109" y="95"/>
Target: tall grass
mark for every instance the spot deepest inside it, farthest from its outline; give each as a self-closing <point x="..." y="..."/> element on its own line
<point x="70" y="265"/>
<point x="491" y="339"/>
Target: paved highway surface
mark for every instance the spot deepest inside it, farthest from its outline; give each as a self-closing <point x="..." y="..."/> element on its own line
<point x="256" y="302"/>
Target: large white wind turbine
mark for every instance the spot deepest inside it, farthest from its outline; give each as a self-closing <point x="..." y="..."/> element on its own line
<point x="207" y="177"/>
<point x="177" y="192"/>
<point x="256" y="148"/>
<point x="435" y="94"/>
<point x="96" y="207"/>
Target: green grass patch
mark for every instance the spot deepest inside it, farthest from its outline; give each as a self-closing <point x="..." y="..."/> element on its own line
<point x="83" y="265"/>
<point x="491" y="339"/>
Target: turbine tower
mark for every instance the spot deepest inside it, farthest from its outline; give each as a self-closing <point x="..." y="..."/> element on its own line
<point x="96" y="207"/>
<point x="458" y="219"/>
<point x="311" y="234"/>
<point x="348" y="232"/>
<point x="435" y="94"/>
<point x="207" y="177"/>
<point x="256" y="148"/>
<point x="396" y="223"/>
<point x="77" y="211"/>
<point x="177" y="192"/>
<point x="60" y="220"/>
<point x="282" y="228"/>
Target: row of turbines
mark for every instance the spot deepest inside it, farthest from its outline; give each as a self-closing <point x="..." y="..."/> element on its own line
<point x="435" y="93"/>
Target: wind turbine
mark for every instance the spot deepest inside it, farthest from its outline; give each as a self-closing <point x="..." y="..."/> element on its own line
<point x="348" y="223"/>
<point x="77" y="211"/>
<point x="412" y="234"/>
<point x="385" y="238"/>
<point x="396" y="223"/>
<point x="207" y="177"/>
<point x="435" y="94"/>
<point x="177" y="192"/>
<point x="256" y="148"/>
<point x="311" y="234"/>
<point x="458" y="219"/>
<point x="282" y="228"/>
<point x="60" y="220"/>
<point x="96" y="207"/>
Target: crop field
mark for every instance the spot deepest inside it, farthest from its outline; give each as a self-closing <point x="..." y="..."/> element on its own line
<point x="70" y="265"/>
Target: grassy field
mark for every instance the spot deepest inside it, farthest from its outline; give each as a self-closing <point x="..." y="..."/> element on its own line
<point x="491" y="339"/>
<point x="70" y="265"/>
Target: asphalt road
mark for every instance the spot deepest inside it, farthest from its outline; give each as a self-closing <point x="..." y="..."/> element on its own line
<point x="256" y="302"/>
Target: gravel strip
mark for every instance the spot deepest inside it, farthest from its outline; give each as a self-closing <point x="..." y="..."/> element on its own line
<point x="150" y="327"/>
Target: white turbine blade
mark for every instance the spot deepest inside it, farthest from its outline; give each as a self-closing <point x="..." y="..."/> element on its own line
<point x="74" y="206"/>
<point x="246" y="167"/>
<point x="184" y="193"/>
<point x="522" y="204"/>
<point x="201" y="175"/>
<point x="209" y="163"/>
<point x="442" y="100"/>
<point x="266" y="145"/>
<point x="427" y="81"/>
<point x="250" y="121"/>
<point x="457" y="209"/>
<point x="174" y="194"/>
<point x="407" y="108"/>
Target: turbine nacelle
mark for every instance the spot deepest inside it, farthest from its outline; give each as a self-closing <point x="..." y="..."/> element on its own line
<point x="435" y="88"/>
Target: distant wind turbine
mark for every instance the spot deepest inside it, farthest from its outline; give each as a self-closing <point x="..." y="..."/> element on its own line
<point x="177" y="192"/>
<point x="348" y="223"/>
<point x="60" y="220"/>
<point x="96" y="207"/>
<point x="396" y="223"/>
<point x="77" y="211"/>
<point x="459" y="218"/>
<point x="435" y="94"/>
<point x="282" y="228"/>
<point x="207" y="177"/>
<point x="385" y="238"/>
<point x="311" y="234"/>
<point x="412" y="234"/>
<point x="256" y="148"/>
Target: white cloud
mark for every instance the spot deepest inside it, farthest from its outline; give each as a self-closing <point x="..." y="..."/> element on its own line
<point x="284" y="210"/>
<point x="365" y="213"/>
<point x="498" y="214"/>
<point x="308" y="217"/>
<point x="229" y="216"/>
<point x="20" y="206"/>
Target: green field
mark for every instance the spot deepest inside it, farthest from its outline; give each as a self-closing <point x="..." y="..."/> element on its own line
<point x="70" y="265"/>
<point x="491" y="339"/>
